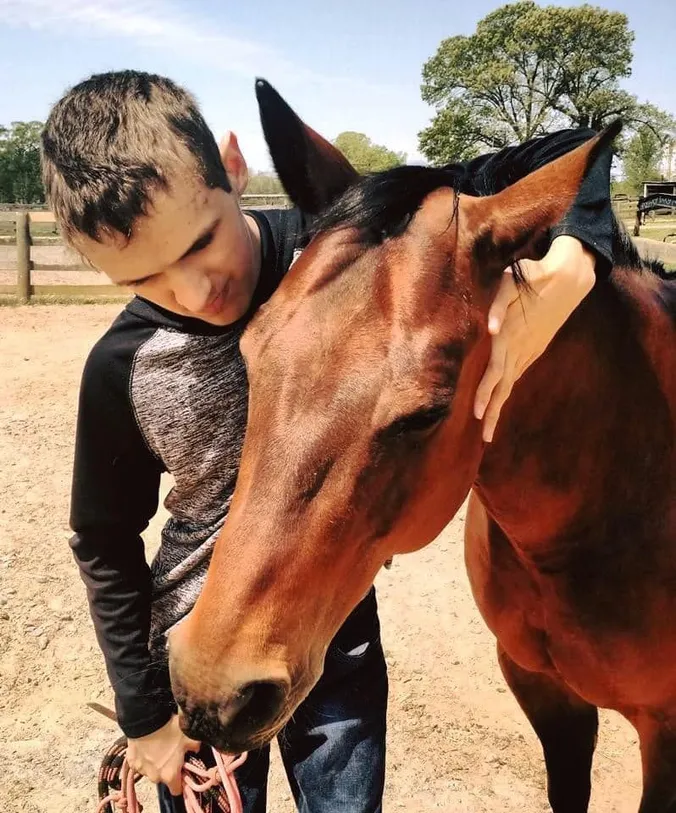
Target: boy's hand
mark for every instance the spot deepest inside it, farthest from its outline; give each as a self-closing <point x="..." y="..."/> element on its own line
<point x="523" y="323"/>
<point x="160" y="756"/>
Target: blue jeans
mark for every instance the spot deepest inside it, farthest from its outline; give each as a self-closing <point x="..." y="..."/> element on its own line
<point x="333" y="749"/>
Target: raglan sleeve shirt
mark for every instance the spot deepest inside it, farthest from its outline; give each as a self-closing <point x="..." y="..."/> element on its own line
<point x="115" y="494"/>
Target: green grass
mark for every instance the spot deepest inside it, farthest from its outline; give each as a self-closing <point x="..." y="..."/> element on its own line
<point x="654" y="230"/>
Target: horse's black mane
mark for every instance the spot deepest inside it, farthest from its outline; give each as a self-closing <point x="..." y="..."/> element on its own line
<point x="382" y="204"/>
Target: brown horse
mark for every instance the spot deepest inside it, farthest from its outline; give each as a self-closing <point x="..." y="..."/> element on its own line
<point x="361" y="443"/>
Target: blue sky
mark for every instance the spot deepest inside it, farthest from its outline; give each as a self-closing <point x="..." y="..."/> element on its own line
<point x="348" y="65"/>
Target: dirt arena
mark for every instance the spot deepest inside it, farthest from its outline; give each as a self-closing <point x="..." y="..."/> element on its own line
<point x="457" y="740"/>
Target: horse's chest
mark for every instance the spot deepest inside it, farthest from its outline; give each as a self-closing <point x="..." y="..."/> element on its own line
<point x="602" y="625"/>
<point x="507" y="596"/>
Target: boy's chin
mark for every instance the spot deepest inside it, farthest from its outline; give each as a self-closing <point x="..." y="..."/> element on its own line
<point x="220" y="320"/>
<point x="226" y="316"/>
<point x="230" y="307"/>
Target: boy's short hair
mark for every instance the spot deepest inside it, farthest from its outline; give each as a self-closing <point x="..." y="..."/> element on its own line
<point x="112" y="141"/>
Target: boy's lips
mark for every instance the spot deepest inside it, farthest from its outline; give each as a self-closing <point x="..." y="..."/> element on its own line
<point x="215" y="305"/>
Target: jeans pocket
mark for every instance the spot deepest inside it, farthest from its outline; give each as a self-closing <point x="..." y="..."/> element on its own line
<point x="356" y="641"/>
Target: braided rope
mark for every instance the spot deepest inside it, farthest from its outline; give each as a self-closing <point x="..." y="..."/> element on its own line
<point x="205" y="790"/>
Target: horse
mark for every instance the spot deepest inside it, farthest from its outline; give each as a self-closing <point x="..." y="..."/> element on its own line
<point x="361" y="444"/>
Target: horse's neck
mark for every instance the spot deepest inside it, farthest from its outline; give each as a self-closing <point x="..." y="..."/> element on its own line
<point x="589" y="428"/>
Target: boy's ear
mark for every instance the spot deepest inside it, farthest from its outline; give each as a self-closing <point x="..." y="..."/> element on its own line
<point x="234" y="163"/>
<point x="312" y="171"/>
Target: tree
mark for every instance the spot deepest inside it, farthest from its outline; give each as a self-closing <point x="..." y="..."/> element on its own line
<point x="20" y="180"/>
<point x="528" y="70"/>
<point x="264" y="183"/>
<point x="642" y="159"/>
<point x="365" y="156"/>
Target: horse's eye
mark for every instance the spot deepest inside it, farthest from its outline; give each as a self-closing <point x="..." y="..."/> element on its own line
<point x="378" y="234"/>
<point x="418" y="422"/>
<point x="424" y="419"/>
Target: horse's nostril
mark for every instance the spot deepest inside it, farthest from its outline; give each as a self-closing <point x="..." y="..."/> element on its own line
<point x="260" y="702"/>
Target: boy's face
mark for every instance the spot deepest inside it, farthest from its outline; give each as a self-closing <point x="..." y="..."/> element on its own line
<point x="194" y="253"/>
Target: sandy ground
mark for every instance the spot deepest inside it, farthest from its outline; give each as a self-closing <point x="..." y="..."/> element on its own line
<point x="457" y="740"/>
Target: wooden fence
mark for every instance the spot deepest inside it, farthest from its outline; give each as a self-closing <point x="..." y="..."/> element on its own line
<point x="24" y="289"/>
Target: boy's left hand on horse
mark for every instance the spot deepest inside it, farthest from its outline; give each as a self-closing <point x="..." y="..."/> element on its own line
<point x="522" y="323"/>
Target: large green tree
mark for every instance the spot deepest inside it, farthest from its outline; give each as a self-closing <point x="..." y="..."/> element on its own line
<point x="642" y="159"/>
<point x="364" y="155"/>
<point x="527" y="70"/>
<point x="20" y="180"/>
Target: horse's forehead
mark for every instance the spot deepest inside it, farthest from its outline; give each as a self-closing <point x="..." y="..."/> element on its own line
<point x="342" y="292"/>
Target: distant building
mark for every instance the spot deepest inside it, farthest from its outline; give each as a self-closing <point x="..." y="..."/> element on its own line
<point x="659" y="188"/>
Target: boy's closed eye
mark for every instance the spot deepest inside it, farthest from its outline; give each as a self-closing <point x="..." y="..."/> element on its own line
<point x="201" y="243"/>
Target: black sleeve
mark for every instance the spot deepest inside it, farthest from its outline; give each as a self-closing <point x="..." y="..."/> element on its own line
<point x="590" y="218"/>
<point x="292" y="236"/>
<point x="115" y="493"/>
<point x="288" y="231"/>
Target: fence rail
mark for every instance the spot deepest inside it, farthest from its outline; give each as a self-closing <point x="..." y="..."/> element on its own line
<point x="24" y="288"/>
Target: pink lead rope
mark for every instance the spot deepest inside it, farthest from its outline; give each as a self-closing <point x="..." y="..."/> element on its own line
<point x="222" y="774"/>
<point x="196" y="780"/>
<point x="117" y="781"/>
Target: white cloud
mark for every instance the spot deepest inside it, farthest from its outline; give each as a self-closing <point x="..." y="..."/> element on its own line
<point x="163" y="24"/>
<point x="171" y="26"/>
<point x="152" y="23"/>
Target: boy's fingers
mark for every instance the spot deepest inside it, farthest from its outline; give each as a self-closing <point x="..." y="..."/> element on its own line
<point x="500" y="395"/>
<point x="175" y="783"/>
<point x="193" y="745"/>
<point x="506" y="294"/>
<point x="491" y="377"/>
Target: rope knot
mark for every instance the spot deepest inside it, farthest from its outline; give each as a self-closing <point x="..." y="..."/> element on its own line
<point x="205" y="790"/>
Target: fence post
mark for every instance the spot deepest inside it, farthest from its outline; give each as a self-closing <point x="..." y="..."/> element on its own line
<point x="23" y="258"/>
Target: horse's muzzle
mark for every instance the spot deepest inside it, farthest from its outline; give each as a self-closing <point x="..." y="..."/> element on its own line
<point x="236" y="723"/>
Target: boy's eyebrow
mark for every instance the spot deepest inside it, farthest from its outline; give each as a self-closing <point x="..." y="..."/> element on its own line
<point x="194" y="247"/>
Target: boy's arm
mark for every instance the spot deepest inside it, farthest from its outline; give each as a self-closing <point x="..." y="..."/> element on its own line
<point x="114" y="495"/>
<point x="590" y="218"/>
<point x="523" y="323"/>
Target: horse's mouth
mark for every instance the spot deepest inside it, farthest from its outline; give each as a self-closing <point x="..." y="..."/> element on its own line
<point x="231" y="741"/>
<point x="243" y="733"/>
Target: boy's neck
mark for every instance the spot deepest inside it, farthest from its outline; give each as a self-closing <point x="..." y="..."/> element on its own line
<point x="256" y="246"/>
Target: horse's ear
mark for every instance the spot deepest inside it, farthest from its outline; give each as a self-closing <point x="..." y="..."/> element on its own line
<point x="313" y="172"/>
<point x="507" y="225"/>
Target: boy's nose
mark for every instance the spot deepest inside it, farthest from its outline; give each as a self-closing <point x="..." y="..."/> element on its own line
<point x="192" y="291"/>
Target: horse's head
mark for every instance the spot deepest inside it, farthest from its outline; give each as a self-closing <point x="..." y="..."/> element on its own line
<point x="361" y="441"/>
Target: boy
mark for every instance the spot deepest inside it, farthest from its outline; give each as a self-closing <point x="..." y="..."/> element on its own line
<point x="141" y="189"/>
